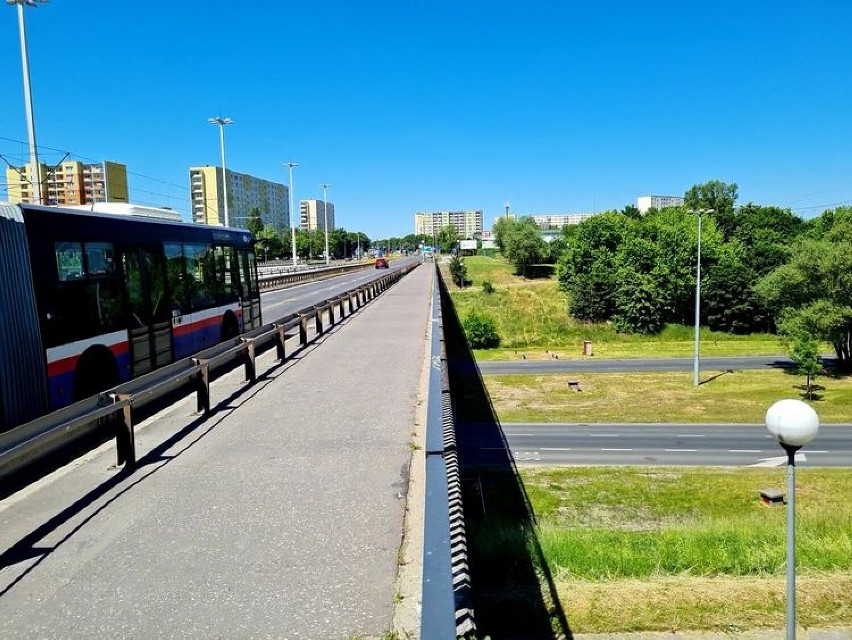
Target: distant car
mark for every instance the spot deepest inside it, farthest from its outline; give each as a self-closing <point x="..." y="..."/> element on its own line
<point x="381" y="263"/>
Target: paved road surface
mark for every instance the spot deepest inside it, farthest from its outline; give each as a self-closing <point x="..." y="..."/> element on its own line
<point x="616" y="365"/>
<point x="670" y="444"/>
<point x="279" y="516"/>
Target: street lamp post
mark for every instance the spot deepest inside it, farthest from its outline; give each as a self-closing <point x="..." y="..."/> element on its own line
<point x="222" y="122"/>
<point x="290" y="166"/>
<point x="697" y="302"/>
<point x="794" y="424"/>
<point x="325" y="187"/>
<point x="28" y="95"/>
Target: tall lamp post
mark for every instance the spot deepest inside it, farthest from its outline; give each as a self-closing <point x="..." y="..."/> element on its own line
<point x="28" y="95"/>
<point x="290" y="166"/>
<point x="222" y="122"/>
<point x="697" y="302"/>
<point x="794" y="424"/>
<point x="325" y="187"/>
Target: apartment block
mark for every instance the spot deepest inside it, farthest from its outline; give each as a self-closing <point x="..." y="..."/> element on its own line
<point x="558" y="220"/>
<point x="312" y="215"/>
<point x="466" y="223"/>
<point x="71" y="182"/>
<point x="645" y="203"/>
<point x="245" y="193"/>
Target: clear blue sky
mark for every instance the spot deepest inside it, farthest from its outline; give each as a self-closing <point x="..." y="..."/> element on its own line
<point x="411" y="105"/>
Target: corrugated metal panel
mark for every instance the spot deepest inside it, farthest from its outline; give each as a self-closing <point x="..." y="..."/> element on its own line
<point x="23" y="394"/>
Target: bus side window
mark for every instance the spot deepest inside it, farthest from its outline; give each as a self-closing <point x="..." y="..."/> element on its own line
<point x="103" y="287"/>
<point x="179" y="280"/>
<point x="226" y="268"/>
<point x="245" y="289"/>
<point x="199" y="280"/>
<point x="69" y="261"/>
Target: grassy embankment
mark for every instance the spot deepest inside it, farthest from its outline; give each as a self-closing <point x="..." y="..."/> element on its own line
<point x="532" y="319"/>
<point x="660" y="548"/>
<point x="669" y="549"/>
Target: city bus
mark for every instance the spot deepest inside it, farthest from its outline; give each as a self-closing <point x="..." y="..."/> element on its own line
<point x="90" y="300"/>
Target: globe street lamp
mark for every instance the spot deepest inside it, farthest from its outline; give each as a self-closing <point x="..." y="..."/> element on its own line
<point x="222" y="122"/>
<point x="290" y="166"/>
<point x="28" y="95"/>
<point x="794" y="424"/>
<point x="325" y="213"/>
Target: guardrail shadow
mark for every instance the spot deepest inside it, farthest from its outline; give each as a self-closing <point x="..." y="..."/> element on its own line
<point x="514" y="594"/>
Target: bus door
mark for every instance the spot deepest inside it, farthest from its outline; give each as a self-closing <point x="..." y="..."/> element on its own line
<point x="249" y="294"/>
<point x="150" y="322"/>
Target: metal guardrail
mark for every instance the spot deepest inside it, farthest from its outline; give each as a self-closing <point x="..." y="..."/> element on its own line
<point x="27" y="443"/>
<point x="291" y="275"/>
<point x="447" y="610"/>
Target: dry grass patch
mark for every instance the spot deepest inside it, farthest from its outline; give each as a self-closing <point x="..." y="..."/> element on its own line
<point x="722" y="604"/>
<point x="741" y="396"/>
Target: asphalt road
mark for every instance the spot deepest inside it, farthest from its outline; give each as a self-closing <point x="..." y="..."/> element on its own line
<point x="594" y="365"/>
<point x="669" y="444"/>
<point x="282" y="302"/>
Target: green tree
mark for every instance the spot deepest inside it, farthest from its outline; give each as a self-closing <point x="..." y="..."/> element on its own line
<point x="719" y="197"/>
<point x="523" y="245"/>
<point x="448" y="238"/>
<point x="813" y="289"/>
<point x="254" y="223"/>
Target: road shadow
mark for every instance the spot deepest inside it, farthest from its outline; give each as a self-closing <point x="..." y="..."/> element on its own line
<point x="514" y="595"/>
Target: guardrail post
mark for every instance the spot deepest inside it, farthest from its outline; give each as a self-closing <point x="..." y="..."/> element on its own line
<point x="202" y="385"/>
<point x="280" y="339"/>
<point x="248" y="358"/>
<point x="125" y="441"/>
<point x="303" y="330"/>
<point x="319" y="322"/>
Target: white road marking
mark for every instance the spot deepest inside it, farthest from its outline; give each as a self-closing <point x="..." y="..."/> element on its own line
<point x="604" y="435"/>
<point x="616" y="449"/>
<point x="556" y="449"/>
<point x="691" y="435"/>
<point x="680" y="450"/>
<point x="744" y="451"/>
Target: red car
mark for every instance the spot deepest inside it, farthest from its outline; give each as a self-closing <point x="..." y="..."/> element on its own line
<point x="381" y="263"/>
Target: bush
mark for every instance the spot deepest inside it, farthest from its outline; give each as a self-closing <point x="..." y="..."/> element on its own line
<point x="487" y="287"/>
<point x="480" y="330"/>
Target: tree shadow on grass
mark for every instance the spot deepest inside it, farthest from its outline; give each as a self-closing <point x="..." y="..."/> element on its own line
<point x="513" y="590"/>
<point x="537" y="271"/>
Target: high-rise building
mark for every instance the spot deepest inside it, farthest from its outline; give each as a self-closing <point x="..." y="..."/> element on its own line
<point x="312" y="215"/>
<point x="645" y="203"/>
<point x="71" y="182"/>
<point x="466" y="223"/>
<point x="245" y="193"/>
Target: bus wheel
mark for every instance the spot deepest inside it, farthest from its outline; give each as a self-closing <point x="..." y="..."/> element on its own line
<point x="96" y="372"/>
<point x="230" y="326"/>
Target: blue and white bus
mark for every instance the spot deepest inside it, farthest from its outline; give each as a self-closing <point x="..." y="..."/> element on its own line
<point x="90" y="300"/>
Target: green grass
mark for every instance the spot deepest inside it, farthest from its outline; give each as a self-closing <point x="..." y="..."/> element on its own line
<point x="741" y="396"/>
<point x="532" y="319"/>
<point x="629" y="522"/>
<point x="666" y="549"/>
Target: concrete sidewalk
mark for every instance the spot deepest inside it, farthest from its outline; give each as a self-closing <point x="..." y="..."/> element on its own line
<point x="279" y="516"/>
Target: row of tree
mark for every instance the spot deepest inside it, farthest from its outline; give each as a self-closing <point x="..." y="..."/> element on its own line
<point x="762" y="268"/>
<point x="277" y="244"/>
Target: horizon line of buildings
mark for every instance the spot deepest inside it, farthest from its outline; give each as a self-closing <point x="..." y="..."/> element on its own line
<point x="74" y="183"/>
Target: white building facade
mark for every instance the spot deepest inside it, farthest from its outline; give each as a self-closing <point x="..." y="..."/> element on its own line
<point x="646" y="203"/>
<point x="466" y="223"/>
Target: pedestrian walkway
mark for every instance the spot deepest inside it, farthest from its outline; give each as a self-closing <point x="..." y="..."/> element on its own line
<point x="279" y="516"/>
